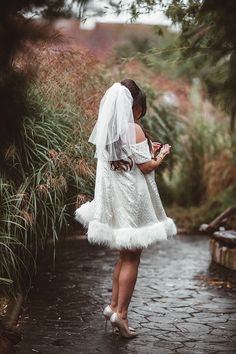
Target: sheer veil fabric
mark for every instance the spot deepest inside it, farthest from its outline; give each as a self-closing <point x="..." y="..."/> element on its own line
<point x="114" y="131"/>
<point x="126" y="211"/>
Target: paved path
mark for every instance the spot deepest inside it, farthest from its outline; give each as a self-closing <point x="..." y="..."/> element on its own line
<point x="181" y="304"/>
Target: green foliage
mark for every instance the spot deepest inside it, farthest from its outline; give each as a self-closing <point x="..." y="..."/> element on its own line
<point x="45" y="8"/>
<point x="203" y="140"/>
<point x="162" y="122"/>
<point x="135" y="7"/>
<point x="134" y="46"/>
<point x="193" y="216"/>
<point x="202" y="146"/>
<point x="165" y="126"/>
<point x="200" y="22"/>
<point x="200" y="165"/>
<point x="205" y="47"/>
<point x="39" y="182"/>
<point x="162" y="52"/>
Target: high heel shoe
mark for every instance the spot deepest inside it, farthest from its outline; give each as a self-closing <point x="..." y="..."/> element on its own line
<point x="107" y="312"/>
<point x="119" y="323"/>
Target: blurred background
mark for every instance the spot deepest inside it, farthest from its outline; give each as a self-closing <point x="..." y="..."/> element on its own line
<point x="57" y="59"/>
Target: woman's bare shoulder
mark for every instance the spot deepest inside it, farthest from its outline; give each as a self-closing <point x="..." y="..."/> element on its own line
<point x="140" y="136"/>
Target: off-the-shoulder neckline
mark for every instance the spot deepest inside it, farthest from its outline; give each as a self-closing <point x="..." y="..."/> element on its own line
<point x="141" y="142"/>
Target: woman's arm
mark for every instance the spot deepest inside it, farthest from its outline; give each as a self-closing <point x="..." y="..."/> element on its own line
<point x="149" y="166"/>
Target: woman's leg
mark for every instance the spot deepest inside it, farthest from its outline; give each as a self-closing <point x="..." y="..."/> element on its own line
<point x="115" y="285"/>
<point x="127" y="280"/>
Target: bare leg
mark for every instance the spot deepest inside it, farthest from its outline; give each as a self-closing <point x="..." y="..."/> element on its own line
<point x="115" y="285"/>
<point x="127" y="280"/>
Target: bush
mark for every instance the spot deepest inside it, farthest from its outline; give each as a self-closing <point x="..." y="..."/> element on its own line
<point x="165" y="126"/>
<point x="49" y="168"/>
<point x="39" y="184"/>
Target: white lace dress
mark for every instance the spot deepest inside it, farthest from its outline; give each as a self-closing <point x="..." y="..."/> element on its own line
<point x="126" y="211"/>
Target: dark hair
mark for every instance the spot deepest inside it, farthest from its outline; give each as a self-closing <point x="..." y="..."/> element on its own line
<point x="139" y="99"/>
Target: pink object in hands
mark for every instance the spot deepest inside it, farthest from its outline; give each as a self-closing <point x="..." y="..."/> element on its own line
<point x="156" y="146"/>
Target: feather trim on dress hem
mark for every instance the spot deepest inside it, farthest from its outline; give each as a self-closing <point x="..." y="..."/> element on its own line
<point x="130" y="238"/>
<point x="125" y="237"/>
<point x="84" y="214"/>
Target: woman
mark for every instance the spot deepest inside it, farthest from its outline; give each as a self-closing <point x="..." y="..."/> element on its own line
<point x="126" y="213"/>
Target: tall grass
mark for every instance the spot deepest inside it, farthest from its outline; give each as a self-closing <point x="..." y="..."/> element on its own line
<point x="165" y="126"/>
<point x="197" y="180"/>
<point x="48" y="168"/>
<point x="207" y="164"/>
<point x="205" y="174"/>
<point x="39" y="183"/>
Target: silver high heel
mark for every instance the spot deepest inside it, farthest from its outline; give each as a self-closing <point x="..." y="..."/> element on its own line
<point x="118" y="322"/>
<point x="107" y="312"/>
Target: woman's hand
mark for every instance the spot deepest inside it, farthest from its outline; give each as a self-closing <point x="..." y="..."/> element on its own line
<point x="165" y="150"/>
<point x="149" y="166"/>
<point x="155" y="147"/>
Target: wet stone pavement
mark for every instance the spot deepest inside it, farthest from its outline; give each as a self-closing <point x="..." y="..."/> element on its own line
<point x="182" y="302"/>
